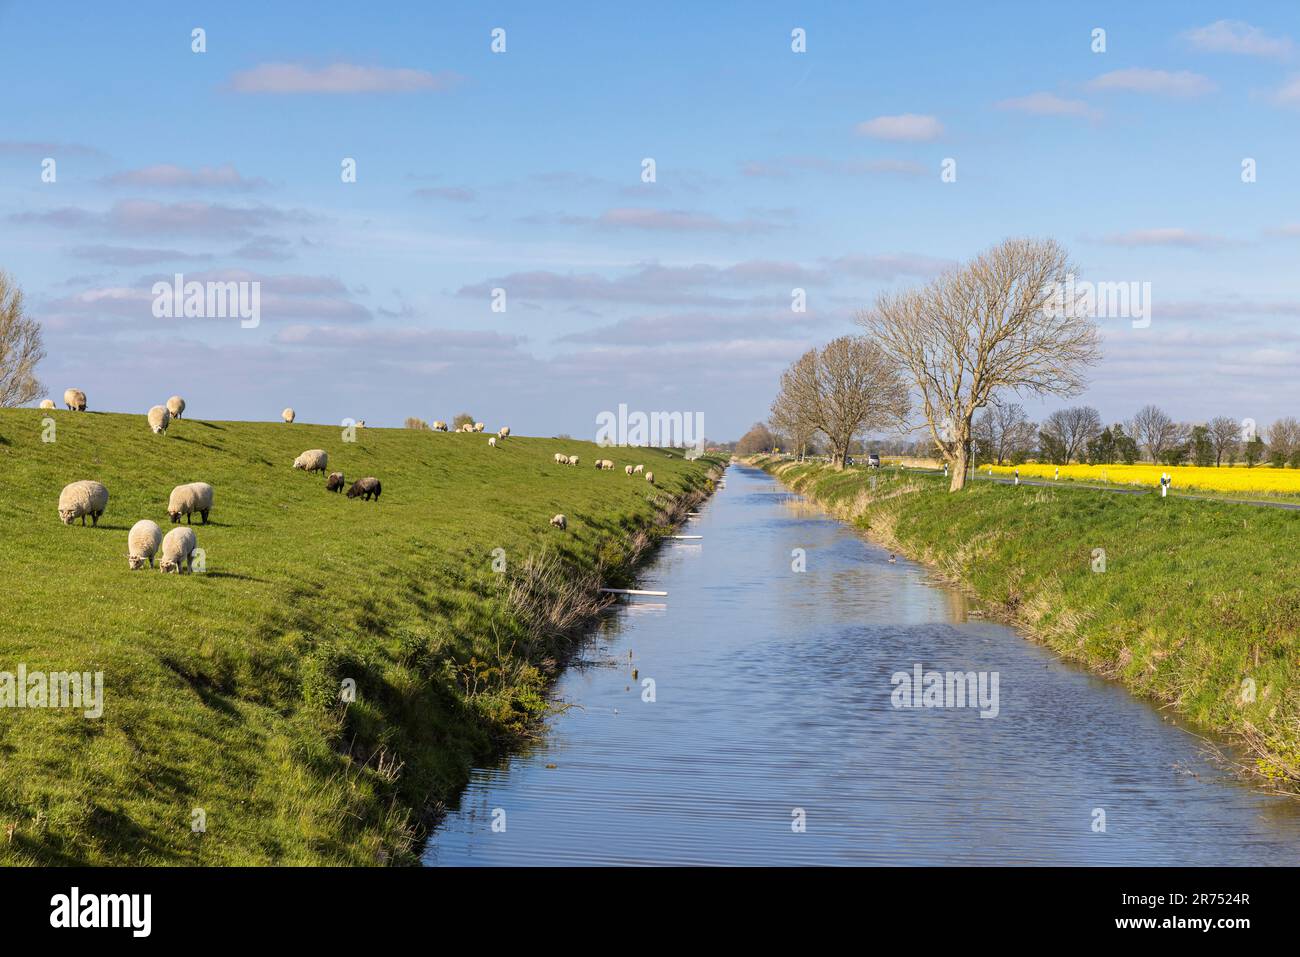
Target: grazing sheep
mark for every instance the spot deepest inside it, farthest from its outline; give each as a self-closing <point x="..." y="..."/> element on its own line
<point x="605" y="465"/>
<point x="142" y="544"/>
<point x="288" y="415"/>
<point x="573" y="460"/>
<point x="75" y="400"/>
<point x="478" y="426"/>
<point x="439" y="426"/>
<point x="178" y="549"/>
<point x="650" y="477"/>
<point x="561" y="458"/>
<point x="79" y="499"/>
<point x="176" y="406"/>
<point x="313" y="460"/>
<point x="627" y="469"/>
<point x="335" y="482"/>
<point x="639" y="469"/>
<point x="467" y="427"/>
<point x="188" y="499"/>
<point x="560" y="522"/>
<point x="159" y="419"/>
<point x="47" y="403"/>
<point x="492" y="441"/>
<point x="504" y="431"/>
<point x="365" y="487"/>
<point x="361" y="423"/>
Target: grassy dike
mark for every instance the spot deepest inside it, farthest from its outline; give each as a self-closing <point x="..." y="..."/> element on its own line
<point x="1195" y="597"/>
<point x="222" y="688"/>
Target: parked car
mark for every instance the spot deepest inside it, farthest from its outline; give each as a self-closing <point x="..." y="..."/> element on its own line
<point x="873" y="461"/>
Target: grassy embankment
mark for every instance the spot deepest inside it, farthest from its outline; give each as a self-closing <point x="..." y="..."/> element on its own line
<point x="222" y="689"/>
<point x="1196" y="598"/>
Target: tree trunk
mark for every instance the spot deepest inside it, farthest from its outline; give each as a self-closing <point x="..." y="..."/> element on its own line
<point x="959" y="467"/>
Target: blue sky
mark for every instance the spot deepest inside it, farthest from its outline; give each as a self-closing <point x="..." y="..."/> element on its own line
<point x="522" y="171"/>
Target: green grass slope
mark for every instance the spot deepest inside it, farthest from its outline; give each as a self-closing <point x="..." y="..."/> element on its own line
<point x="1197" y="603"/>
<point x="222" y="688"/>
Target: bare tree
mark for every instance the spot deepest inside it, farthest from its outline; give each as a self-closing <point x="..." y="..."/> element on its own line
<point x="20" y="347"/>
<point x="1003" y="431"/>
<point x="1073" y="428"/>
<point x="1155" y="430"/>
<point x="996" y="323"/>
<point x="758" y="439"/>
<point x="845" y="389"/>
<point x="792" y="409"/>
<point x="1225" y="437"/>
<point x="1283" y="440"/>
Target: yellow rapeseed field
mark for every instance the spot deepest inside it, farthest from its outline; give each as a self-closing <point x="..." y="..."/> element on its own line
<point x="1260" y="480"/>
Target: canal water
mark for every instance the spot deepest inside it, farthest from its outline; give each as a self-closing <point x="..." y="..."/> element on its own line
<point x="773" y="736"/>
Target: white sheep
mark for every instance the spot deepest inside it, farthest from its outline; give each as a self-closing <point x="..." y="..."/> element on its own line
<point x="176" y="406"/>
<point x="573" y="460"/>
<point x="188" y="499"/>
<point x="142" y="544"/>
<point x="605" y="464"/>
<point x="79" y="499"/>
<point x="639" y="469"/>
<point x="178" y="549"/>
<point x="47" y="403"/>
<point x="560" y="522"/>
<point x="439" y="425"/>
<point x="492" y="441"/>
<point x="75" y="399"/>
<point x="313" y="460"/>
<point x="159" y="419"/>
<point x="288" y="415"/>
<point x="467" y="427"/>
<point x="504" y="431"/>
<point x="627" y="469"/>
<point x="478" y="426"/>
<point x="561" y="458"/>
<point x="650" y="477"/>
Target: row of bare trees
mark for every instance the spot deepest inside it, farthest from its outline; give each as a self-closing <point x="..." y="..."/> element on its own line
<point x="962" y="343"/>
<point x="20" y="347"/>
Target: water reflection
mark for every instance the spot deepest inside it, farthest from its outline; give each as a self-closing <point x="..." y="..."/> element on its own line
<point x="772" y="694"/>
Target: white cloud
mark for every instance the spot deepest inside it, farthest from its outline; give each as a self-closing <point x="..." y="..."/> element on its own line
<point x="1289" y="93"/>
<point x="1047" y="104"/>
<point x="344" y="78"/>
<point x="906" y="127"/>
<point x="1159" y="82"/>
<point x="168" y="176"/>
<point x="1236" y="36"/>
<point x="1167" y="236"/>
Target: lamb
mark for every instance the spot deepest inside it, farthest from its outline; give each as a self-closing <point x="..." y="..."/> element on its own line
<point x="504" y="431"/>
<point x="561" y="458"/>
<point x="142" y="544"/>
<point x="492" y="441"/>
<point x="188" y="499"/>
<point x="627" y="469"/>
<point x="439" y="426"/>
<point x="288" y="415"/>
<point x="650" y="477"/>
<point x="159" y="419"/>
<point x="178" y="549"/>
<point x="639" y="469"/>
<point x="47" y="403"/>
<point x="313" y="460"/>
<point x="365" y="487"/>
<point x="176" y="406"/>
<point x="79" y="499"/>
<point x="335" y="482"/>
<point x="560" y="522"/>
<point x="75" y="400"/>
